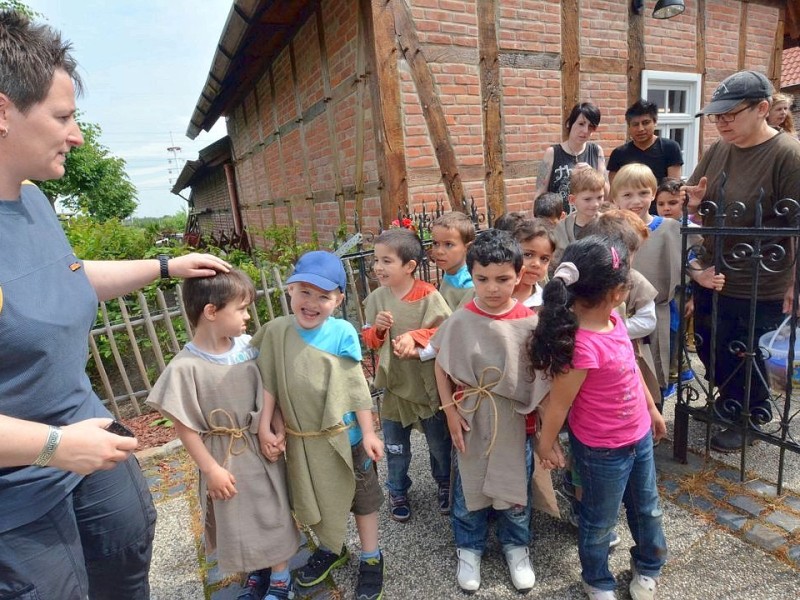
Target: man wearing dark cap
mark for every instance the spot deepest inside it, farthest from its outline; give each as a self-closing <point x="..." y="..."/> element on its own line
<point x="751" y="164"/>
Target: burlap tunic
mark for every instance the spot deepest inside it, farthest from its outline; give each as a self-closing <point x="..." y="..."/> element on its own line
<point x="480" y="352"/>
<point x="254" y="529"/>
<point x="641" y="293"/>
<point x="315" y="390"/>
<point x="454" y="296"/>
<point x="410" y="385"/>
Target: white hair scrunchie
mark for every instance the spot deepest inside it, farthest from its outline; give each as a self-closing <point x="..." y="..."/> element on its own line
<point x="567" y="272"/>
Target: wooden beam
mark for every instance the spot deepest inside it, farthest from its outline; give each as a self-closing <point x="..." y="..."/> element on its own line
<point x="599" y="64"/>
<point x="276" y="130"/>
<point x="431" y="104"/>
<point x="743" y="12"/>
<point x="776" y="57"/>
<point x="381" y="62"/>
<point x="635" y="54"/>
<point x="298" y="105"/>
<point x="491" y="95"/>
<point x="700" y="65"/>
<point x="329" y="110"/>
<point x="570" y="58"/>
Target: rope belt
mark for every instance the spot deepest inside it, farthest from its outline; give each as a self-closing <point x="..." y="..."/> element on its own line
<point x="238" y="442"/>
<point x="482" y="390"/>
<point x="330" y="431"/>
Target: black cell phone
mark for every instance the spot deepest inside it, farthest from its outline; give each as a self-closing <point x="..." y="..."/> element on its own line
<point x="119" y="429"/>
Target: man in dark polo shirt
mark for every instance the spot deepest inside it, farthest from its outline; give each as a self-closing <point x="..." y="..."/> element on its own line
<point x="662" y="155"/>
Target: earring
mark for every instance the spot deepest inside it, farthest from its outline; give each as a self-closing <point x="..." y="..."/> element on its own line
<point x="3" y="133"/>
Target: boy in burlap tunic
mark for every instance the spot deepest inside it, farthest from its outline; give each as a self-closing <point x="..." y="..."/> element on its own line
<point x="481" y="357"/>
<point x="401" y="316"/>
<point x="311" y="366"/>
<point x="211" y="391"/>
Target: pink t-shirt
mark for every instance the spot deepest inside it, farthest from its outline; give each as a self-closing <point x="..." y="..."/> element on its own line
<point x="610" y="410"/>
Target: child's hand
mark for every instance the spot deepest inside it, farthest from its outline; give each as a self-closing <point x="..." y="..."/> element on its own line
<point x="405" y="347"/>
<point x="688" y="310"/>
<point x="457" y="426"/>
<point x="220" y="483"/>
<point x="384" y="320"/>
<point x="373" y="446"/>
<point x="659" y="426"/>
<point x="553" y="457"/>
<point x="272" y="445"/>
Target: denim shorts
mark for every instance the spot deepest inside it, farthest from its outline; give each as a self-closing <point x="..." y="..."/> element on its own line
<point x="369" y="496"/>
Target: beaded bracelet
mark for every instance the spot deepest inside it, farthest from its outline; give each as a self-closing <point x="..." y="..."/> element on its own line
<point x="50" y="446"/>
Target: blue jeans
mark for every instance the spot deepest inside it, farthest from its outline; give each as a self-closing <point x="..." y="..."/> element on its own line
<point x="397" y="441"/>
<point x="95" y="544"/>
<point x="610" y="477"/>
<point x="471" y="528"/>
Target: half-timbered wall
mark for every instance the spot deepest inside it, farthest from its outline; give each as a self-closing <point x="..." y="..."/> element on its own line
<point x="383" y="105"/>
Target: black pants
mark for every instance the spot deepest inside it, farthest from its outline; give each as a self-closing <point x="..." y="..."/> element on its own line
<point x="731" y="338"/>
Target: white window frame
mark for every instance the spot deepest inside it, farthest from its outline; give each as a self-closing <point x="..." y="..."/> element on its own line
<point x="691" y="84"/>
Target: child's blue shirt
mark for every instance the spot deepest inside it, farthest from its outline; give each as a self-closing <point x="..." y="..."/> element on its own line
<point x="337" y="337"/>
<point x="460" y="279"/>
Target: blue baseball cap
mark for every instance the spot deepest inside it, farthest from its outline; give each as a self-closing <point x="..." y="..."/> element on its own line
<point x="321" y="269"/>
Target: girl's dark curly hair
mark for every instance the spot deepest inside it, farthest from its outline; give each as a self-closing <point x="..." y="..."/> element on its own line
<point x="552" y="344"/>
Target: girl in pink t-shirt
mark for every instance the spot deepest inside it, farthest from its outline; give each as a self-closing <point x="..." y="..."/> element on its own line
<point x="582" y="344"/>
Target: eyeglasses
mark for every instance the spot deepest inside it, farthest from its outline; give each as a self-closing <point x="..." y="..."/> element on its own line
<point x="728" y="117"/>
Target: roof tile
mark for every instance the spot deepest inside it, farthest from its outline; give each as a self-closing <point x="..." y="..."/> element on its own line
<point x="790" y="70"/>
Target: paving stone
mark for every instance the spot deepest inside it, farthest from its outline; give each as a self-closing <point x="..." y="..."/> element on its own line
<point x="299" y="559"/>
<point x="157" y="496"/>
<point x="762" y="488"/>
<point x="177" y="489"/>
<point x="768" y="539"/>
<point x="729" y="474"/>
<point x="731" y="520"/>
<point x="152" y="481"/>
<point x="748" y="504"/>
<point x="227" y="593"/>
<point x="794" y="555"/>
<point x="784" y="520"/>
<point x="792" y="502"/>
<point x="214" y="575"/>
<point x="670" y="486"/>
<point x="716" y="490"/>
<point x="695" y="502"/>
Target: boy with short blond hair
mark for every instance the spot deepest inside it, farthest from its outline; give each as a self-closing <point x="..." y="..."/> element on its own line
<point x="586" y="192"/>
<point x="401" y="316"/>
<point x="659" y="258"/>
<point x="310" y="363"/>
<point x="452" y="234"/>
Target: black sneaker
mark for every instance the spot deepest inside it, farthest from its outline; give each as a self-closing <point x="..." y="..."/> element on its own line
<point x="319" y="566"/>
<point x="280" y="591"/>
<point x="443" y="497"/>
<point x="399" y="510"/>
<point x="370" y="579"/>
<point x="256" y="585"/>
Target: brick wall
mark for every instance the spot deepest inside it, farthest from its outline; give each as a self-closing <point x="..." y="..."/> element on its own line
<point x="291" y="177"/>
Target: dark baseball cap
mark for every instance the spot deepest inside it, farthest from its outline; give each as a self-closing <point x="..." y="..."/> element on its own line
<point x="744" y="85"/>
<point x="321" y="269"/>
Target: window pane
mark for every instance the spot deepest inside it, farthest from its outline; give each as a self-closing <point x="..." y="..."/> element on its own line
<point x="678" y="134"/>
<point x="677" y="101"/>
<point x="659" y="97"/>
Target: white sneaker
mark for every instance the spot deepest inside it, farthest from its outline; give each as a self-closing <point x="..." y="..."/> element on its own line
<point x="469" y="569"/>
<point x="594" y="593"/>
<point x="615" y="540"/>
<point x="519" y="566"/>
<point x="642" y="587"/>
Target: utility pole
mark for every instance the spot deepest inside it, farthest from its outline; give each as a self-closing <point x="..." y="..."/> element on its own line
<point x="174" y="167"/>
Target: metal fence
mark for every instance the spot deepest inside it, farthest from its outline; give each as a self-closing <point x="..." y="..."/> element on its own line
<point x="732" y="397"/>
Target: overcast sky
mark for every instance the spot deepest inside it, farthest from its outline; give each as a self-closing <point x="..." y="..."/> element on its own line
<point x="144" y="64"/>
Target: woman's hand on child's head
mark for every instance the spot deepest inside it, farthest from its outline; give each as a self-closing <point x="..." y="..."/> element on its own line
<point x="373" y="446"/>
<point x="404" y="346"/>
<point x="384" y="320"/>
<point x="220" y="483"/>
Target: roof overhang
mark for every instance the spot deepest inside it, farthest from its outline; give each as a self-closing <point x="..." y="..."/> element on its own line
<point x="209" y="157"/>
<point x="255" y="33"/>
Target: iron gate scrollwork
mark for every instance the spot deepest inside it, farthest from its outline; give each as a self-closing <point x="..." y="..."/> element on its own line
<point x="733" y="397"/>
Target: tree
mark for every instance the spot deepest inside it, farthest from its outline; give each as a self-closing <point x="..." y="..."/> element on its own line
<point x="95" y="182"/>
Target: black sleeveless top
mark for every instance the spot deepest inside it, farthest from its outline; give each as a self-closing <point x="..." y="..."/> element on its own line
<point x="563" y="163"/>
